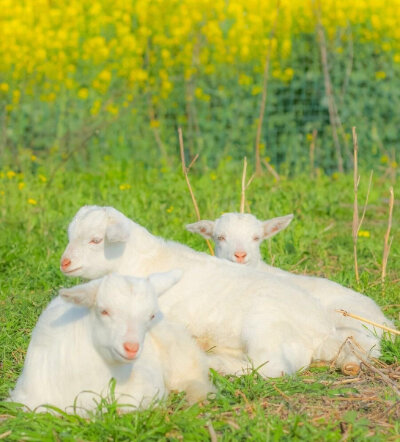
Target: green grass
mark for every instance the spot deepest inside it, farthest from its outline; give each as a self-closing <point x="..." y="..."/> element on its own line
<point x="317" y="404"/>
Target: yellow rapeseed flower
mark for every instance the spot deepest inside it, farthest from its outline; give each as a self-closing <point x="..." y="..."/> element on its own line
<point x="11" y="174"/>
<point x="364" y="234"/>
<point x="32" y="201"/>
<point x="170" y="209"/>
<point x="21" y="185"/>
<point x="83" y="93"/>
<point x="4" y="87"/>
<point x="124" y="186"/>
<point x="42" y="178"/>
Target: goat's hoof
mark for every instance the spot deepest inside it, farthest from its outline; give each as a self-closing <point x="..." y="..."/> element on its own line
<point x="350" y="369"/>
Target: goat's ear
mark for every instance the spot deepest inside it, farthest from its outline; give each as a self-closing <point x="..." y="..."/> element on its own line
<point x="273" y="226"/>
<point x="164" y="281"/>
<point x="118" y="228"/>
<point x="82" y="294"/>
<point x="204" y="227"/>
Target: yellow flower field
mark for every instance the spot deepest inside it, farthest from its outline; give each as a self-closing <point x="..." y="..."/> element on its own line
<point x="199" y="64"/>
<point x="83" y="46"/>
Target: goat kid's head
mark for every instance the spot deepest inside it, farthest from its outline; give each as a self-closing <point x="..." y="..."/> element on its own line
<point x="97" y="238"/>
<point x="237" y="236"/>
<point x="123" y="309"/>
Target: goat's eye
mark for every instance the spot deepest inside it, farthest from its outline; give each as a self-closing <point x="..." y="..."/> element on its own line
<point x="221" y="238"/>
<point x="256" y="238"/>
<point x="95" y="240"/>
<point x="105" y="313"/>
<point x="152" y="317"/>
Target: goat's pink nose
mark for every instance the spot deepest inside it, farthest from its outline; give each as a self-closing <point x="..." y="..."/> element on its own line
<point x="65" y="263"/>
<point x="240" y="256"/>
<point x="131" y="348"/>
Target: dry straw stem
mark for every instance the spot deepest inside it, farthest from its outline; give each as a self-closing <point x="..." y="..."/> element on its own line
<point x="392" y="384"/>
<point x="356" y="221"/>
<point x="360" y="318"/>
<point x="211" y="431"/>
<point x="388" y="242"/>
<point x="271" y="170"/>
<point x="333" y="113"/>
<point x="156" y="133"/>
<point x="264" y="92"/>
<point x="244" y="185"/>
<point x="185" y="171"/>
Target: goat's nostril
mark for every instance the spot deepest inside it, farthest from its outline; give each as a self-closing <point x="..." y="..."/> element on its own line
<point x="65" y="262"/>
<point x="240" y="255"/>
<point x="131" y="348"/>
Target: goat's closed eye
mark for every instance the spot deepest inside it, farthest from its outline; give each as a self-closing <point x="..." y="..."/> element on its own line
<point x="95" y="240"/>
<point x="221" y="238"/>
<point x="105" y="312"/>
<point x="256" y="238"/>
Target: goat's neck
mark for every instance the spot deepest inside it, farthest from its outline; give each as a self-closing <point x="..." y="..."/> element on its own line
<point x="148" y="253"/>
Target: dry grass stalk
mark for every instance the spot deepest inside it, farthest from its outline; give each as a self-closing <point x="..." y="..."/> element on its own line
<point x="333" y="361"/>
<point x="243" y="194"/>
<point x="157" y="137"/>
<point x="284" y="395"/>
<point x="333" y="113"/>
<point x="264" y="92"/>
<point x="211" y="431"/>
<point x="388" y="240"/>
<point x="185" y="171"/>
<point x="271" y="170"/>
<point x="375" y="324"/>
<point x="312" y="152"/>
<point x="385" y="378"/>
<point x="244" y="185"/>
<point x="355" y="208"/>
<point x="356" y="221"/>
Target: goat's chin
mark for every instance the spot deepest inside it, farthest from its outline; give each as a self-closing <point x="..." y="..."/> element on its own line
<point x="76" y="271"/>
<point x="245" y="263"/>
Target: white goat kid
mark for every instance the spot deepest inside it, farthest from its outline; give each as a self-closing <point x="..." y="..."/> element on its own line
<point x="238" y="236"/>
<point x="114" y="330"/>
<point x="237" y="311"/>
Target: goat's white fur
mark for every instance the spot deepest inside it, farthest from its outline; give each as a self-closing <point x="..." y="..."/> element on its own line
<point x="76" y="349"/>
<point x="238" y="232"/>
<point x="245" y="316"/>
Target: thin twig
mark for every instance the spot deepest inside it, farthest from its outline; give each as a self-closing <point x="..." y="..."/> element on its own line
<point x="360" y="318"/>
<point x="366" y="201"/>
<point x="244" y="185"/>
<point x="284" y="395"/>
<point x="213" y="434"/>
<point x="271" y="170"/>
<point x="385" y="378"/>
<point x="264" y="92"/>
<point x="356" y="180"/>
<point x="349" y="66"/>
<point x="356" y="221"/>
<point x="333" y="114"/>
<point x="192" y="162"/>
<point x="156" y="133"/>
<point x="387" y="243"/>
<point x="243" y="194"/>
<point x="185" y="171"/>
